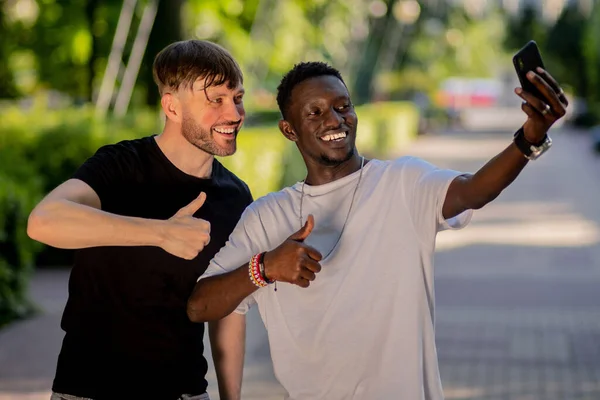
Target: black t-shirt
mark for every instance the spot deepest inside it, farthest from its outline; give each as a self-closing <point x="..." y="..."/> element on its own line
<point x="127" y="331"/>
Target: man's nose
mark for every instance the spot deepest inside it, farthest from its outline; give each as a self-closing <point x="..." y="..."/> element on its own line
<point x="234" y="112"/>
<point x="333" y="119"/>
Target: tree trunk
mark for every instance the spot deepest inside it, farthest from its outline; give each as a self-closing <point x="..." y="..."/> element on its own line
<point x="365" y="74"/>
<point x="7" y="87"/>
<point x="166" y="30"/>
<point x="90" y="12"/>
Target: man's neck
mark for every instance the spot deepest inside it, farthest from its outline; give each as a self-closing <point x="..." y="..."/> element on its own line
<point x="320" y="174"/>
<point x="184" y="155"/>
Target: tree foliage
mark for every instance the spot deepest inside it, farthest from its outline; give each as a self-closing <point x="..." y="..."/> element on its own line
<point x="63" y="45"/>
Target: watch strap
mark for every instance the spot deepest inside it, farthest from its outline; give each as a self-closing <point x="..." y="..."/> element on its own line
<point x="524" y="145"/>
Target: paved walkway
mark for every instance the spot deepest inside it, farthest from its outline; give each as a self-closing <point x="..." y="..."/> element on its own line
<point x="518" y="292"/>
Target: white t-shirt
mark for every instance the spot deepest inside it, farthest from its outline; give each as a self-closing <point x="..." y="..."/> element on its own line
<point x="364" y="329"/>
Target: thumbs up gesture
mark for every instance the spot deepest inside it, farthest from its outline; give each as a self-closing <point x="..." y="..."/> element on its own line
<point x="293" y="261"/>
<point x="183" y="235"/>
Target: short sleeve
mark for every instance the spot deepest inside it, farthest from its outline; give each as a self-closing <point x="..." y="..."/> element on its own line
<point x="425" y="188"/>
<point x="105" y="170"/>
<point x="247" y="239"/>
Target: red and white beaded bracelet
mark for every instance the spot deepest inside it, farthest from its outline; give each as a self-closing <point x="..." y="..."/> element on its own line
<point x="256" y="271"/>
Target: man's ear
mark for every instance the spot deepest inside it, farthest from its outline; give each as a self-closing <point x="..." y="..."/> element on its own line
<point x="171" y="106"/>
<point x="287" y="130"/>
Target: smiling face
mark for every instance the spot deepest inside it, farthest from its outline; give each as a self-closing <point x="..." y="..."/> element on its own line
<point x="321" y="120"/>
<point x="212" y="118"/>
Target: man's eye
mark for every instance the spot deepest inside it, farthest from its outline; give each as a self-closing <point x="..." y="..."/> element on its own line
<point x="239" y="99"/>
<point x="315" y="112"/>
<point x="218" y="100"/>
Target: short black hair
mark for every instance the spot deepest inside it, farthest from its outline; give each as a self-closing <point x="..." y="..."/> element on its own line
<point x="300" y="73"/>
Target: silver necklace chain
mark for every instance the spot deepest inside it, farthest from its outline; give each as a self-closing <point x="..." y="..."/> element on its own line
<point x="362" y="164"/>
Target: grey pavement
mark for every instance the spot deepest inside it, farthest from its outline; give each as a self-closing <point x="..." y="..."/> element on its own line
<point x="518" y="313"/>
<point x="518" y="296"/>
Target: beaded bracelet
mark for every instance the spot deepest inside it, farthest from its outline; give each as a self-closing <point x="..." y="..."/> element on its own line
<point x="254" y="272"/>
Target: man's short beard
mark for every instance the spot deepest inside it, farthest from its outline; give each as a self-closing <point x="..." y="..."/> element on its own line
<point x="203" y="139"/>
<point x="330" y="162"/>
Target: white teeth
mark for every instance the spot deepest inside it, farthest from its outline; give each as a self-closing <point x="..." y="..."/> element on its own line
<point x="335" y="136"/>
<point x="225" y="130"/>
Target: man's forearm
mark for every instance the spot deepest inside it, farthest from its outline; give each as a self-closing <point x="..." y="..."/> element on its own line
<point x="69" y="225"/>
<point x="471" y="192"/>
<point x="215" y="297"/>
<point x="495" y="176"/>
<point x="227" y="340"/>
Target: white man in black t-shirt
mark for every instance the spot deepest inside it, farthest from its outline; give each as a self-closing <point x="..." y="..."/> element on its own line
<point x="146" y="216"/>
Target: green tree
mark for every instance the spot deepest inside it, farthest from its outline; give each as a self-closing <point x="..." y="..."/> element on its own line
<point x="61" y="42"/>
<point x="591" y="53"/>
<point x="525" y="26"/>
<point x="447" y="44"/>
<point x="91" y="14"/>
<point x="268" y="37"/>
<point x="167" y="28"/>
<point x="7" y="84"/>
<point x="565" y="51"/>
<point x="365" y="73"/>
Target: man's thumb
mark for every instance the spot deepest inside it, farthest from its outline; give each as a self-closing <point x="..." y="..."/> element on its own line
<point x="194" y="206"/>
<point x="303" y="233"/>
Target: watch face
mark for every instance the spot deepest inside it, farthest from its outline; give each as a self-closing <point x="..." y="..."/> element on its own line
<point x="537" y="151"/>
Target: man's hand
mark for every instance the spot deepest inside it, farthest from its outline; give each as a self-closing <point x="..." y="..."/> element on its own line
<point x="542" y="113"/>
<point x="183" y="235"/>
<point x="293" y="261"/>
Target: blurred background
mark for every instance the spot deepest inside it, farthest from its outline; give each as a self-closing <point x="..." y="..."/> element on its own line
<point x="518" y="292"/>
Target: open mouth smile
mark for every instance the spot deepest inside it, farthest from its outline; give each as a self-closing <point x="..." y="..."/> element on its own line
<point x="335" y="137"/>
<point x="227" y="131"/>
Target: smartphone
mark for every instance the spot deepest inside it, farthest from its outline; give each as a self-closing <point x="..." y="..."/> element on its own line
<point x="525" y="60"/>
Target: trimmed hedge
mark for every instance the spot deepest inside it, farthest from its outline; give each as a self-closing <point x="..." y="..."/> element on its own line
<point x="40" y="149"/>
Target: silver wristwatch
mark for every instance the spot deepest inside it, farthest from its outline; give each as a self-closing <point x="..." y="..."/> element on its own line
<point x="531" y="151"/>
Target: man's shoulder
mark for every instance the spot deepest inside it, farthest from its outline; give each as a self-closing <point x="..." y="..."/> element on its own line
<point x="118" y="159"/>
<point x="272" y="200"/>
<point x="398" y="163"/>
<point x="410" y="163"/>
<point x="231" y="178"/>
<point x="401" y="170"/>
<point x="126" y="148"/>
<point x="406" y="160"/>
